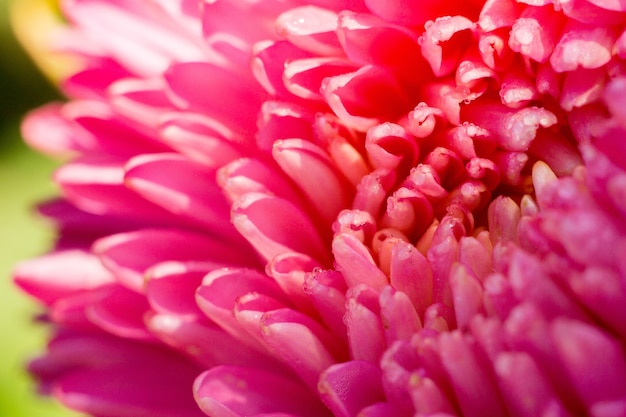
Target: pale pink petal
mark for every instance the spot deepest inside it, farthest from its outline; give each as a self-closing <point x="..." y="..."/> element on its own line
<point x="444" y="41"/>
<point x="497" y="14"/>
<point x="583" y="46"/>
<point x="536" y="33"/>
<point x="311" y="29"/>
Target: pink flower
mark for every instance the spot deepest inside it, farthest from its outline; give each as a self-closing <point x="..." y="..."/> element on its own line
<point x="337" y="208"/>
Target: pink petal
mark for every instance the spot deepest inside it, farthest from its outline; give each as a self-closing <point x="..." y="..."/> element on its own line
<point x="400" y="318"/>
<point x="327" y="291"/>
<point x="287" y="230"/>
<point x="410" y="273"/>
<point x="269" y="61"/>
<point x="199" y="138"/>
<point x="142" y="101"/>
<point x="230" y="391"/>
<point x="536" y="33"/>
<point x="361" y="98"/>
<point x="38" y="277"/>
<point x="582" y="87"/>
<point x="290" y="270"/>
<point x="405" y="12"/>
<point x="121" y="312"/>
<point x="303" y="77"/>
<point x="221" y="290"/>
<point x="301" y="343"/>
<point x="312" y="29"/>
<point x="327" y="192"/>
<point x="214" y="92"/>
<point x="171" y="286"/>
<point x="583" y="46"/>
<point x="362" y="34"/>
<point x="494" y="49"/>
<point x="48" y="131"/>
<point x="467" y="294"/>
<point x="497" y="14"/>
<point x="469" y="376"/>
<point x="596" y="377"/>
<point x="389" y="146"/>
<point x="348" y="387"/>
<point x="423" y="120"/>
<point x="513" y="130"/>
<point x="96" y="185"/>
<point x="444" y="42"/>
<point x="205" y="343"/>
<point x="129" y="255"/>
<point x="525" y="388"/>
<point x="366" y="334"/>
<point x="355" y="262"/>
<point x="251" y="175"/>
<point x="284" y="120"/>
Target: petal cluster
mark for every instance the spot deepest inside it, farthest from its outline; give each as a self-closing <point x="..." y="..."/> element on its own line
<point x="337" y="208"/>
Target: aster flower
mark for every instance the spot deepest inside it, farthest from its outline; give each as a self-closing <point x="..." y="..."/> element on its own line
<point x="337" y="208"/>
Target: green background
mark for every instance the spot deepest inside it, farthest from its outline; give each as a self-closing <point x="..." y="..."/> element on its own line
<point x="24" y="180"/>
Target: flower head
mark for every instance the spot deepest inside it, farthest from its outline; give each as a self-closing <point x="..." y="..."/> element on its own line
<point x="337" y="208"/>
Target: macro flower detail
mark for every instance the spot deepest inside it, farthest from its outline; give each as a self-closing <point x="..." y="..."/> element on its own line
<point x="336" y="208"/>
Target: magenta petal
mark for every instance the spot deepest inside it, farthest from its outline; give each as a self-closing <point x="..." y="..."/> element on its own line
<point x="525" y="388"/>
<point x="469" y="376"/>
<point x="142" y="101"/>
<point x="301" y="343"/>
<point x="128" y="391"/>
<point x="205" y="343"/>
<point x="229" y="391"/>
<point x="183" y="187"/>
<point x="289" y="229"/>
<point x="196" y="85"/>
<point x="129" y="255"/>
<point x="593" y="360"/>
<point x="171" y="286"/>
<point x="121" y="312"/>
<point x="222" y="290"/>
<point x="348" y="387"/>
<point x="36" y="276"/>
<point x="249" y="175"/>
<point x="200" y="138"/>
